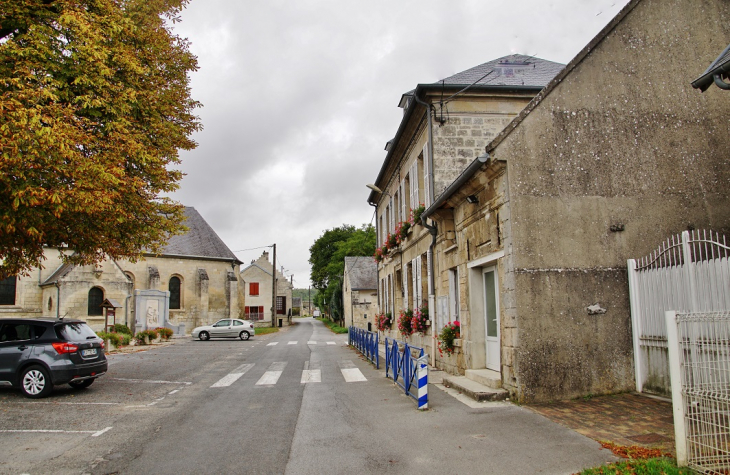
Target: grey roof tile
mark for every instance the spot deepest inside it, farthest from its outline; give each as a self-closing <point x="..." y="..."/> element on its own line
<point x="512" y="70"/>
<point x="362" y="272"/>
<point x="199" y="241"/>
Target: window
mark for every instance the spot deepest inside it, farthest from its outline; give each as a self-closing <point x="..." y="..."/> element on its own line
<point x="7" y="291"/>
<point x="96" y="298"/>
<point x="255" y="313"/>
<point x="174" y="288"/>
<point x="280" y="305"/>
<point x="253" y="288"/>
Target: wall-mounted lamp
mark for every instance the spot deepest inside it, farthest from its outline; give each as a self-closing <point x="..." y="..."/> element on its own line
<point x="472" y="199"/>
<point x="374" y="188"/>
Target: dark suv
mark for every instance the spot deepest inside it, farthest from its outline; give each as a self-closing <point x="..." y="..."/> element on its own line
<point x="38" y="353"/>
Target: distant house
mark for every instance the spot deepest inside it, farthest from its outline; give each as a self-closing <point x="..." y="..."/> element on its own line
<point x="196" y="268"/>
<point x="360" y="292"/>
<point x="616" y="154"/>
<point x="257" y="280"/>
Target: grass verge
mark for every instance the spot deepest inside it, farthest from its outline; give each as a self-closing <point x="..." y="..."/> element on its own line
<point x="642" y="461"/>
<point x="266" y="330"/>
<point x="333" y="326"/>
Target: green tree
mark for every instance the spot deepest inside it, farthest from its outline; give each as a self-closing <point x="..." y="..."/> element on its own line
<point x="327" y="257"/>
<point x="94" y="106"/>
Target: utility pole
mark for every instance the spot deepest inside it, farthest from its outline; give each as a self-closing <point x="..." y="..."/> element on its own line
<point x="273" y="289"/>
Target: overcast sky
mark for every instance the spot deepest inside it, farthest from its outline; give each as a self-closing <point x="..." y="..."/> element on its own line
<point x="300" y="97"/>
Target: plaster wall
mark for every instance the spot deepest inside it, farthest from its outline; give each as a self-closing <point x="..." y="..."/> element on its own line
<point x="622" y="141"/>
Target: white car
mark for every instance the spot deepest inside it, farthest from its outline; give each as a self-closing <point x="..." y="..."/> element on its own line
<point x="226" y="328"/>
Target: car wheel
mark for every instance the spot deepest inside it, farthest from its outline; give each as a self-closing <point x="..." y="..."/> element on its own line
<point x="82" y="384"/>
<point x="204" y="336"/>
<point x="243" y="335"/>
<point x="35" y="382"/>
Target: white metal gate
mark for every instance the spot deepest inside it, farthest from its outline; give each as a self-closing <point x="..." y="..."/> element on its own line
<point x="687" y="273"/>
<point x="699" y="360"/>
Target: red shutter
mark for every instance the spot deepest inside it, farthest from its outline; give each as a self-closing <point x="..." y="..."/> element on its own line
<point x="253" y="288"/>
<point x="261" y="312"/>
<point x="248" y="312"/>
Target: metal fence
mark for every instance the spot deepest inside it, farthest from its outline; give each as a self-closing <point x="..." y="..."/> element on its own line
<point x="366" y="342"/>
<point x="407" y="366"/>
<point x="687" y="273"/>
<point x="699" y="363"/>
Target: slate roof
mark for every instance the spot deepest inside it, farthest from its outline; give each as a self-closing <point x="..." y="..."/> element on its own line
<point x="512" y="70"/>
<point x="199" y="241"/>
<point x="362" y="272"/>
<point x="720" y="66"/>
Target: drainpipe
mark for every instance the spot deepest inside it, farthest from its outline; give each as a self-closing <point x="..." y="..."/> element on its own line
<point x="431" y="229"/>
<point x="377" y="236"/>
<point x="58" y="300"/>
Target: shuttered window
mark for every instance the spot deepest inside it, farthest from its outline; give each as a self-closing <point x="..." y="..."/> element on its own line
<point x="253" y="288"/>
<point x="7" y="291"/>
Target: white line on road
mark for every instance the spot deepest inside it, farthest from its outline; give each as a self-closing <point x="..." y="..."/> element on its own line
<point x="150" y="381"/>
<point x="273" y="343"/>
<point x="93" y="433"/>
<point x="271" y="377"/>
<point x="311" y="342"/>
<point x="331" y="343"/>
<point x="312" y="376"/>
<point x="232" y="377"/>
<point x="293" y="342"/>
<point x="352" y="375"/>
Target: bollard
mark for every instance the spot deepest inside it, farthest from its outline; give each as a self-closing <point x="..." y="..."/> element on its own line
<point x="422" y="374"/>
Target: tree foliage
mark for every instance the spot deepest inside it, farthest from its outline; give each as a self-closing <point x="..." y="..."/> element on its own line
<point x="327" y="257"/>
<point x="94" y="106"/>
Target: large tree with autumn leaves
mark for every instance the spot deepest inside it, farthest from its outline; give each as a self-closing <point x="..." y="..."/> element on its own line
<point x="94" y="106"/>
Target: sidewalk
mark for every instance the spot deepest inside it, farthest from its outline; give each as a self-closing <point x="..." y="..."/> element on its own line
<point x="625" y="419"/>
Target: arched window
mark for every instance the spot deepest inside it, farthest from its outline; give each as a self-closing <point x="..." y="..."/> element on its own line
<point x="96" y="298"/>
<point x="7" y="291"/>
<point x="174" y="288"/>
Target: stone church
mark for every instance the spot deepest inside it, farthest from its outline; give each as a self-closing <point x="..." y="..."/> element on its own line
<point x="197" y="269"/>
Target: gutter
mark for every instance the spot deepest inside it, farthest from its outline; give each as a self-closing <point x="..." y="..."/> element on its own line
<point x="465" y="176"/>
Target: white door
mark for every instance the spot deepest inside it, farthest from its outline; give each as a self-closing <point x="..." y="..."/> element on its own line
<point x="491" y="314"/>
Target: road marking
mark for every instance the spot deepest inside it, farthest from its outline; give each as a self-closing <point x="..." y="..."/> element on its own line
<point x="94" y="433"/>
<point x="76" y="403"/>
<point x="233" y="376"/>
<point x="293" y="342"/>
<point x="350" y="372"/>
<point x="312" y="372"/>
<point x="273" y="343"/>
<point x="331" y="343"/>
<point x="311" y="342"/>
<point x="271" y="377"/>
<point x="150" y="381"/>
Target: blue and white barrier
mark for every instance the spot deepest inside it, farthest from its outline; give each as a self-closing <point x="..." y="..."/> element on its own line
<point x="407" y="366"/>
<point x="366" y="342"/>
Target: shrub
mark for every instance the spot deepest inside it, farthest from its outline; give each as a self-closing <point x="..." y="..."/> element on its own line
<point x="416" y="214"/>
<point x="122" y="328"/>
<point x="165" y="333"/>
<point x="150" y="334"/>
<point x="114" y="338"/>
<point x="125" y="337"/>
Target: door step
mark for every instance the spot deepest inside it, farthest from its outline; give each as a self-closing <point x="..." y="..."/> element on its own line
<point x="486" y="377"/>
<point x="475" y="390"/>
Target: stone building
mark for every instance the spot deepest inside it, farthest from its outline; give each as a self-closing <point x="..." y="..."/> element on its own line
<point x="257" y="281"/>
<point x="197" y="268"/>
<point x="616" y="154"/>
<point x="445" y="126"/>
<point x="360" y="292"/>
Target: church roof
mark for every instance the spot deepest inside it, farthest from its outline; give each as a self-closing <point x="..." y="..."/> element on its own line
<point x="362" y="272"/>
<point x="512" y="70"/>
<point x="199" y="241"/>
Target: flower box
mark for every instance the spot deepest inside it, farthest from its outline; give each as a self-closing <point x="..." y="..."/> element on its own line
<point x="457" y="342"/>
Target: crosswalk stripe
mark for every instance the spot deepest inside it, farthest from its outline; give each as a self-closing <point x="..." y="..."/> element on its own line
<point x="293" y="342"/>
<point x="273" y="343"/>
<point x="331" y="343"/>
<point x="312" y="376"/>
<point x="353" y="375"/>
<point x="310" y="342"/>
<point x="232" y="377"/>
<point x="271" y="377"/>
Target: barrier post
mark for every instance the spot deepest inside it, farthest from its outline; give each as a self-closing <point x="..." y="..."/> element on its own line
<point x="422" y="373"/>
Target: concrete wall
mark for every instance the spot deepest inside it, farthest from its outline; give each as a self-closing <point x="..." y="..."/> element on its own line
<point x="622" y="140"/>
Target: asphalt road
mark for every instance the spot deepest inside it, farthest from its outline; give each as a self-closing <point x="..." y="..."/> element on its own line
<point x="295" y="402"/>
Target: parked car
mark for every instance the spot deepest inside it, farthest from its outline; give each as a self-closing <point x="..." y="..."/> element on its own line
<point x="39" y="353"/>
<point x="226" y="328"/>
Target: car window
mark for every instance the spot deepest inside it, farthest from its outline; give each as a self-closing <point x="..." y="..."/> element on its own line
<point x="237" y="323"/>
<point x="38" y="331"/>
<point x="75" y="332"/>
<point x="222" y="323"/>
<point x="15" y="332"/>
